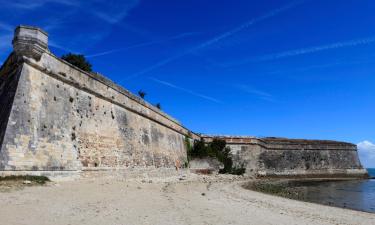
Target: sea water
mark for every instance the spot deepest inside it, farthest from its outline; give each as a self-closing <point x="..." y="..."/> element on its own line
<point x="352" y="194"/>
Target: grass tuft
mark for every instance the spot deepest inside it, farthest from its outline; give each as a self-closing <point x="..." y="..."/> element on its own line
<point x="34" y="179"/>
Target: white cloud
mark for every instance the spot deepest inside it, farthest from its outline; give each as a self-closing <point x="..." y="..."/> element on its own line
<point x="366" y="150"/>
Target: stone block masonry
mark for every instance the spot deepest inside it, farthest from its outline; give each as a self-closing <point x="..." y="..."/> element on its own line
<point x="56" y="118"/>
<point x="281" y="157"/>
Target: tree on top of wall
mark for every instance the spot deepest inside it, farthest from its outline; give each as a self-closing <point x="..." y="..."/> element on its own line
<point x="142" y="94"/>
<point x="78" y="60"/>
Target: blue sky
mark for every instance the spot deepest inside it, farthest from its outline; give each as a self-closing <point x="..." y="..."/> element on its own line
<point x="297" y="69"/>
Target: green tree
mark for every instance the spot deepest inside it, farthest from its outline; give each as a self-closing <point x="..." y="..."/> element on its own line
<point x="142" y="94"/>
<point x="78" y="60"/>
<point x="215" y="149"/>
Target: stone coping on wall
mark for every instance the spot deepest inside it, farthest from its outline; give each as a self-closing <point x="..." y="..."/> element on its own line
<point x="304" y="141"/>
<point x="39" y="57"/>
<point x="271" y="143"/>
<point x="48" y="66"/>
<point x="106" y="81"/>
<point x="33" y="28"/>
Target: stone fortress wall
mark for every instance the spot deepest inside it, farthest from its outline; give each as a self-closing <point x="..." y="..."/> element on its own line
<point x="57" y="118"/>
<point x="281" y="157"/>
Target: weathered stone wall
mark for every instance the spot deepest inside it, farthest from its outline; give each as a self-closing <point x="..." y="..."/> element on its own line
<point x="9" y="76"/>
<point x="56" y="117"/>
<point x="35" y="138"/>
<point x="65" y="119"/>
<point x="291" y="157"/>
<point x="59" y="118"/>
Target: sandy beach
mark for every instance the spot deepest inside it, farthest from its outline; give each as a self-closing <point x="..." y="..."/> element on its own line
<point x="195" y="200"/>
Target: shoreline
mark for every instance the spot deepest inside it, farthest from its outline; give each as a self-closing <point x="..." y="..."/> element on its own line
<point x="295" y="189"/>
<point x="197" y="199"/>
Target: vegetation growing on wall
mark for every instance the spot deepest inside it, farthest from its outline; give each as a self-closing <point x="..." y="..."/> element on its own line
<point x="34" y="179"/>
<point x="216" y="149"/>
<point x="189" y="147"/>
<point x="78" y="60"/>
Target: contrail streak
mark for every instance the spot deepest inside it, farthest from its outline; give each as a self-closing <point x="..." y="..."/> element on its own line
<point x="180" y="36"/>
<point x="303" y="51"/>
<point x="55" y="45"/>
<point x="185" y="90"/>
<point x="322" y="66"/>
<point x="219" y="37"/>
<point x="255" y="92"/>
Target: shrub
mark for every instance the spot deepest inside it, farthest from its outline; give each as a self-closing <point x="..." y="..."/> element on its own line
<point x="216" y="149"/>
<point x="78" y="60"/>
<point x="238" y="170"/>
<point x="189" y="148"/>
<point x="35" y="179"/>
<point x="142" y="94"/>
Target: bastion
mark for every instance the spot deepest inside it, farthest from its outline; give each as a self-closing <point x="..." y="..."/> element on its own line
<point x="56" y="119"/>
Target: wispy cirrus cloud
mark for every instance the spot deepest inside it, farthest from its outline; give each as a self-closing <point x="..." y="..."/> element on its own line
<point x="109" y="11"/>
<point x="112" y="11"/>
<point x="143" y="44"/>
<point x="30" y="5"/>
<point x="53" y="44"/>
<point x="74" y="16"/>
<point x="165" y="83"/>
<point x="323" y="66"/>
<point x="5" y="46"/>
<point x="220" y="37"/>
<point x="303" y="51"/>
<point x="4" y="27"/>
<point x="5" y="42"/>
<point x="6" y="35"/>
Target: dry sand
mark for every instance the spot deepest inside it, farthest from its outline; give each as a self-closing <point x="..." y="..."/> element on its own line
<point x="196" y="200"/>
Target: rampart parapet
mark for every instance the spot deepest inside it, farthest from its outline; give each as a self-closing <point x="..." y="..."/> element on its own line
<point x="283" y="157"/>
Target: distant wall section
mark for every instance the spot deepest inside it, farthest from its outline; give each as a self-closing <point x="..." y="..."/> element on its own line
<point x="279" y="157"/>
